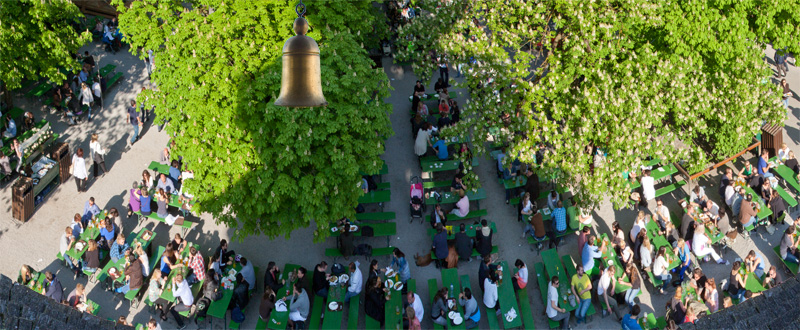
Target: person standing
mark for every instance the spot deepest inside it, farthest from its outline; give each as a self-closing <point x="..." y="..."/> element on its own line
<point x="98" y="153"/>
<point x="780" y="62"/>
<point x="54" y="289"/>
<point x="87" y="99"/>
<point x="444" y="71"/>
<point x="79" y="170"/>
<point x="786" y="92"/>
<point x="97" y="91"/>
<point x="133" y="119"/>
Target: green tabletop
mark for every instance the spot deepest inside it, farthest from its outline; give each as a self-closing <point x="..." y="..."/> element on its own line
<point x="40" y="89"/>
<point x="554" y="267"/>
<point x="166" y="294"/>
<point x="158" y="167"/>
<point x="450" y="279"/>
<point x="120" y="269"/>
<point x="439" y="166"/>
<point x="508" y="299"/>
<point x="393" y="311"/>
<point x="515" y="182"/>
<point x="279" y="320"/>
<point x="674" y="261"/>
<point x="470" y="230"/>
<point x="378" y="229"/>
<point x="94" y="306"/>
<point x="90" y="233"/>
<point x="36" y="283"/>
<point x="333" y="319"/>
<point x="788" y="175"/>
<point x="663" y="171"/>
<point x="218" y="308"/>
<point x="451" y="197"/>
<point x="652" y="228"/>
<point x="431" y="97"/>
<point x="146" y="242"/>
<point x="765" y="211"/>
<point x="384" y="170"/>
<point x="753" y="284"/>
<point x="611" y="256"/>
<point x="376" y="196"/>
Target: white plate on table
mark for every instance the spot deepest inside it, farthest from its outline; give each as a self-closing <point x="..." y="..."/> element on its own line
<point x="452" y="315"/>
<point x="389" y="283"/>
<point x="333" y="305"/>
<point x="390" y="273"/>
<point x="343" y="278"/>
<point x="398" y="286"/>
<point x="280" y="306"/>
<point x="451" y="304"/>
<point x="333" y="279"/>
<point x="509" y="318"/>
<point x="353" y="228"/>
<point x="457" y="320"/>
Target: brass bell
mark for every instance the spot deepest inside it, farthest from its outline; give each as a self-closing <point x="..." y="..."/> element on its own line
<point x="301" y="82"/>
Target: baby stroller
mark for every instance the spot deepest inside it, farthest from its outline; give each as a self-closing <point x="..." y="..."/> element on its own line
<point x="417" y="193"/>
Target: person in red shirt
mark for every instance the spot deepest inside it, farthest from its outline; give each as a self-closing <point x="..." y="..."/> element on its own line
<point x="197" y="265"/>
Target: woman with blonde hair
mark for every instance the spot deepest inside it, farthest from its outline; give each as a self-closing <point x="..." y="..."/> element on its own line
<point x="77" y="297"/>
<point x="783" y="152"/>
<point x="413" y="321"/>
<point x="25" y="275"/>
<point x="98" y="153"/>
<point x="144" y="259"/>
<point x="162" y="199"/>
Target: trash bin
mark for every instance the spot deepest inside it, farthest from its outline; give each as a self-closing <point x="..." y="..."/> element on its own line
<point x="22" y="199"/>
<point x="771" y="138"/>
<point x="60" y="154"/>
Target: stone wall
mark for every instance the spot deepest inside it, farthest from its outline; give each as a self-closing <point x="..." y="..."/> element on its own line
<point x="23" y="308"/>
<point x="775" y="309"/>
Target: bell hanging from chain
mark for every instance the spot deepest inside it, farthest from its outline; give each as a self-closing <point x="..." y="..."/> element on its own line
<point x="301" y="82"/>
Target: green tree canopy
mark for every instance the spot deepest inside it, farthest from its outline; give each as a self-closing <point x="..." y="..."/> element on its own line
<point x="36" y="39"/>
<point x="674" y="80"/>
<point x="258" y="167"/>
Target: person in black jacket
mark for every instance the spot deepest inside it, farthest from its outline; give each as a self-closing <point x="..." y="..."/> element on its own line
<point x="320" y="280"/>
<point x="463" y="244"/>
<point x="271" y="277"/>
<point x="225" y="256"/>
<point x="375" y="306"/>
<point x="483" y="239"/>
<point x="54" y="289"/>
<point x="240" y="293"/>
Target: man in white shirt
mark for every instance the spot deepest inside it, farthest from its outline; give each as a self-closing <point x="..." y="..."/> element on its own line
<point x="701" y="248"/>
<point x="97" y="90"/>
<point x="182" y="291"/>
<point x="662" y="214"/>
<point x="356" y="280"/>
<point x="554" y="312"/>
<point x="248" y="272"/>
<point x="605" y="288"/>
<point x="415" y="302"/>
<point x="648" y="186"/>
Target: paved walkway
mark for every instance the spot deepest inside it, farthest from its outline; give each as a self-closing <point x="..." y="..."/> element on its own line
<point x="36" y="242"/>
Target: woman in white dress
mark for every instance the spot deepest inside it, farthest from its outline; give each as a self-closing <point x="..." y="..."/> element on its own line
<point x="79" y="170"/>
<point x="423" y="140"/>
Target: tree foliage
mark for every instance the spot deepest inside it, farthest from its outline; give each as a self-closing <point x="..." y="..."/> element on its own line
<point x="261" y="168"/>
<point x="674" y="80"/>
<point x="36" y="39"/>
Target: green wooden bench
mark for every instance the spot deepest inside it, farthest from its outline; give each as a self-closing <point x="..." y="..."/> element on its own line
<point x="652" y="323"/>
<point x="375" y="216"/>
<point x="384" y="185"/>
<point x="433" y="287"/>
<point x="370" y="323"/>
<point x="669" y="188"/>
<point x="792" y="267"/>
<point x="107" y="69"/>
<point x="786" y="197"/>
<point x="525" y="306"/>
<point x="376" y="252"/>
<point x="470" y="215"/>
<point x="111" y="80"/>
<point x="185" y="226"/>
<point x="435" y="184"/>
<point x="352" y="313"/>
<point x="316" y="313"/>
<point x="474" y="252"/>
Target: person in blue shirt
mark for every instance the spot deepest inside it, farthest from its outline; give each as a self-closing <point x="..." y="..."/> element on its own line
<point x="11" y="128"/>
<point x="118" y="249"/>
<point x="165" y="184"/>
<point x="175" y="174"/>
<point x="763" y="166"/>
<point x="591" y="252"/>
<point x="441" y="150"/>
<point x="630" y="321"/>
<point x="685" y="256"/>
<point x="560" y="217"/>
<point x="108" y="232"/>
<point x="145" y="200"/>
<point x="90" y="209"/>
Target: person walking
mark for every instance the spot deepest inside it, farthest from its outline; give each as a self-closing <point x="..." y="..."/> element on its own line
<point x="87" y="99"/>
<point x="98" y="153"/>
<point x="79" y="170"/>
<point x="133" y="119"/>
<point x="780" y="62"/>
<point x="786" y="93"/>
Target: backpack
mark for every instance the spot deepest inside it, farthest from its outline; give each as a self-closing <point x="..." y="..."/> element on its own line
<point x="363" y="249"/>
<point x="202" y="307"/>
<point x="367" y="231"/>
<point x="237" y="315"/>
<point x="337" y="269"/>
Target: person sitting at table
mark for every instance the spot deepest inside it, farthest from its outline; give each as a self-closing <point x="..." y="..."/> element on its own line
<point x="153" y="325"/>
<point x="711" y="296"/>
<point x="25" y="275"/>
<point x="606" y="287"/>
<point x="701" y="245"/>
<point x="737" y="282"/>
<point x="461" y="209"/>
<point x="225" y="256"/>
<point x="444" y="109"/>
<point x="591" y="252"/>
<point x="143" y="258"/>
<point x="631" y="320"/>
<point x="375" y="303"/>
<point x="555" y="313"/>
<point x="154" y="289"/>
<point x="637" y="244"/>
<point x="161" y="201"/>
<point x="419" y="89"/>
<point x="28" y="122"/>
<point x="585" y="217"/>
<point x="90" y="209"/>
<point x="638" y="224"/>
<point x="168" y="260"/>
<point x="417" y="121"/>
<point x="684" y="254"/>
<point x="184" y="299"/>
<point x="520" y="279"/>
<point x="54" y="289"/>
<point x="747" y="214"/>
<point x="438" y="216"/>
<point x="444" y="121"/>
<point x="267" y="304"/>
<point x="76" y="225"/>
<point x="345" y="242"/>
<point x="423" y="140"/>
<point x="484" y="269"/>
<point x="77" y="297"/>
<point x="439" y="246"/>
<point x="625" y="254"/>
<point x="175" y="173"/>
<point x="249" y="273"/>
<point x="763" y="165"/>
<point x="559" y="222"/>
<point x="11" y="128"/>
<point x="298" y="312"/>
<point x="646" y="255"/>
<point x="458" y="183"/>
<point x="197" y="267"/>
<point x="146" y="203"/>
<point x="463" y="244"/>
<point x="687" y="221"/>
<point x="483" y="239"/>
<point x="422" y="110"/>
<point x="319" y="280"/>
<point x="472" y="313"/>
<point x="535" y="227"/>
<point x="166" y="184"/>
<point x="791" y="163"/>
<point x="374" y="270"/>
<point x="241" y="296"/>
<point x="355" y="283"/>
<point x="271" y="277"/>
<point x="178" y="243"/>
<point x="525" y="206"/>
<point x="660" y="269"/>
<point x="788" y="248"/>
<point x="783" y="152"/>
<point x="490" y="296"/>
<point x="617" y="235"/>
<point x="118" y="248"/>
<point x="440" y="85"/>
<point x="147" y="181"/>
<point x="648" y="185"/>
<point x="134" y="199"/>
<point x="754" y="263"/>
<point x="133" y="275"/>
<point x="440" y="147"/>
<point x="772" y="278"/>
<point x="107" y="234"/>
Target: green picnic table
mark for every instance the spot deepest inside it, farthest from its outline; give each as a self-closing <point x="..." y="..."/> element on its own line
<point x="660" y="241"/>
<point x="451" y="197"/>
<point x="765" y="211"/>
<point x="279" y="320"/>
<point x="554" y="267"/>
<point x="610" y="256"/>
<point x="219" y="308"/>
<point x="39" y="90"/>
<point x="378" y="229"/>
<point x="106" y="69"/>
<point x="470" y="230"/>
<point x="516" y="182"/>
<point x="753" y="284"/>
<point x="333" y="319"/>
<point x="91" y="233"/>
<point x="375" y="196"/>
<point x="158" y="167"/>
<point x="393" y="311"/>
<point x="508" y="299"/>
<point x="431" y="97"/>
<point x="166" y="294"/>
<point x="442" y="165"/>
<point x="787" y="174"/>
<point x="452" y="282"/>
